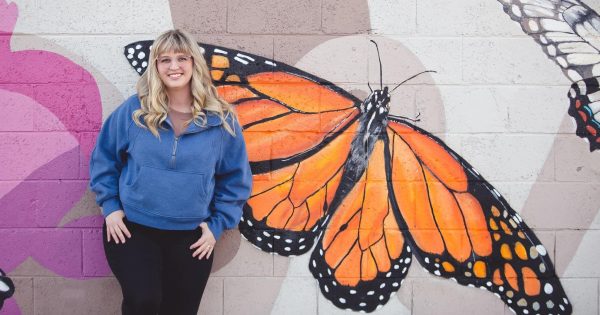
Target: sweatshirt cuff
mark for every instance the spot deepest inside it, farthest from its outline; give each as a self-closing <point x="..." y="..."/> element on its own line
<point x="111" y="205"/>
<point x="215" y="227"/>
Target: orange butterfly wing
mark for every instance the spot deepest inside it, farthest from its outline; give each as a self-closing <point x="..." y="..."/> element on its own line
<point x="461" y="228"/>
<point x="298" y="134"/>
<point x="362" y="256"/>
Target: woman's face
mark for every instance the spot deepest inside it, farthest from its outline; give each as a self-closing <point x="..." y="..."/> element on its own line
<point x="175" y="70"/>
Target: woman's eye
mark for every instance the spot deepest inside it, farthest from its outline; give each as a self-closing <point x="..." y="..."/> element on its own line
<point x="182" y="59"/>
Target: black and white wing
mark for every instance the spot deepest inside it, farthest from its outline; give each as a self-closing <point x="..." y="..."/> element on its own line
<point x="7" y="288"/>
<point x="569" y="33"/>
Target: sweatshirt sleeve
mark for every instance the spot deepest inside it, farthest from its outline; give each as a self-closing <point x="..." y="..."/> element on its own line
<point x="107" y="160"/>
<point x="233" y="184"/>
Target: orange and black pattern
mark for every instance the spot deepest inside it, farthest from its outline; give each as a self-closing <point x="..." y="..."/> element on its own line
<point x="367" y="192"/>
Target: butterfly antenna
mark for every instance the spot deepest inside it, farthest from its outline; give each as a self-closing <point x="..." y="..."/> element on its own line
<point x="380" y="67"/>
<point x="414" y="76"/>
<point x="369" y="85"/>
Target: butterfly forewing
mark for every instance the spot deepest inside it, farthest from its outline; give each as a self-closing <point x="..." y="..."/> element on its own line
<point x="460" y="227"/>
<point x="287" y="204"/>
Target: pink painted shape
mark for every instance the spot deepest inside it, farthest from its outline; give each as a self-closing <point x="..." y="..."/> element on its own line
<point x="59" y="250"/>
<point x="10" y="307"/>
<point x="51" y="104"/>
<point x="22" y="153"/>
<point x="68" y="90"/>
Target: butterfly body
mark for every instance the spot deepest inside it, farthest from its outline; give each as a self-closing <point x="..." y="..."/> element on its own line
<point x="369" y="192"/>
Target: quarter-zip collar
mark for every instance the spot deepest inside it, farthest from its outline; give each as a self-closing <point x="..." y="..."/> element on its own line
<point x="212" y="120"/>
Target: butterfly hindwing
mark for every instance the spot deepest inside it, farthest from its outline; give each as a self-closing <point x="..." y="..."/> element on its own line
<point x="461" y="228"/>
<point x="362" y="258"/>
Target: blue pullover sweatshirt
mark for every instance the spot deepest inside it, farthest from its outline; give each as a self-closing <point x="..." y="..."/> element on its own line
<point x="171" y="183"/>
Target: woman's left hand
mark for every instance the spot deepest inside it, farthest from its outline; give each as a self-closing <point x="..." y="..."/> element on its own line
<point x="204" y="246"/>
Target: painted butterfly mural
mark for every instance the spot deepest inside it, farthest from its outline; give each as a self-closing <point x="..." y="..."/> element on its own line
<point x="369" y="191"/>
<point x="569" y="33"/>
<point x="7" y="288"/>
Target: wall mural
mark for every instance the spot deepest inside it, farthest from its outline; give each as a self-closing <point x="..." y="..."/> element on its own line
<point x="569" y="33"/>
<point x="372" y="190"/>
<point x="56" y="95"/>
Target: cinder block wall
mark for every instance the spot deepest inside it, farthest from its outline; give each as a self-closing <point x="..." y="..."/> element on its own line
<point x="495" y="99"/>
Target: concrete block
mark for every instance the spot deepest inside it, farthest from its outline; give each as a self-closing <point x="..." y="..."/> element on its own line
<point x="393" y="17"/>
<point x="115" y="17"/>
<point x="583" y="294"/>
<point x="94" y="260"/>
<point x="53" y="199"/>
<point x="226" y="249"/>
<point x="532" y="109"/>
<point x="291" y="48"/>
<point x="52" y="71"/>
<point x="58" y="250"/>
<point x="87" y="142"/>
<point x="18" y="116"/>
<point x="562" y="205"/>
<point x="281" y="264"/>
<point x="403" y="57"/>
<point x="102" y="56"/>
<point x="577" y="253"/>
<point x="442" y="296"/>
<point x="253" y="295"/>
<point x="212" y="299"/>
<point x="345" y="17"/>
<point x="473" y="110"/>
<point x="200" y="16"/>
<point x="32" y="268"/>
<point x="507" y="157"/>
<point x="274" y="17"/>
<point x="471" y="17"/>
<point x="429" y="110"/>
<point x="574" y="163"/>
<point x="67" y="101"/>
<point x="83" y="214"/>
<point x="248" y="261"/>
<point x="351" y="57"/>
<point x="62" y="296"/>
<point x="508" y="61"/>
<point x="297" y="296"/>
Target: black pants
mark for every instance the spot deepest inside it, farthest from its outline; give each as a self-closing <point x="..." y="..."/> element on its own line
<point x="157" y="272"/>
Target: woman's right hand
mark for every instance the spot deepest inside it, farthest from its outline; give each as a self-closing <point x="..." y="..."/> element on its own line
<point x="115" y="228"/>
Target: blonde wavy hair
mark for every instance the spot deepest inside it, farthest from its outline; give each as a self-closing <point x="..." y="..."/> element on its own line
<point x="152" y="92"/>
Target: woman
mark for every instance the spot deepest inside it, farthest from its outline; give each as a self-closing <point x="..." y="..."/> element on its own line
<point x="170" y="171"/>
